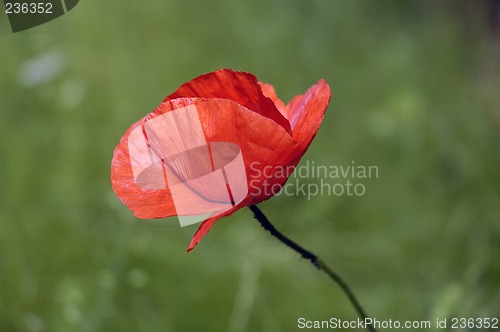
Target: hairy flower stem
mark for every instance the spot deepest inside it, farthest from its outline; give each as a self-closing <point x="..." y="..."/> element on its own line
<point x="266" y="224"/>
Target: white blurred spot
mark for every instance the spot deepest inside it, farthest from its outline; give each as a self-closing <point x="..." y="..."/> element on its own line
<point x="41" y="69"/>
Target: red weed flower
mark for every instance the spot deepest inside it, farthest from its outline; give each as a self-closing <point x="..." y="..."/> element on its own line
<point x="213" y="146"/>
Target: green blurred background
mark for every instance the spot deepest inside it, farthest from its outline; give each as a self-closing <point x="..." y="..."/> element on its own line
<point x="416" y="92"/>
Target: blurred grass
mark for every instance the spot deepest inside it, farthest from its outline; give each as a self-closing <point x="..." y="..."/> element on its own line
<point x="415" y="92"/>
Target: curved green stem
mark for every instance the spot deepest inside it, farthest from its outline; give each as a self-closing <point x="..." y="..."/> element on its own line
<point x="266" y="224"/>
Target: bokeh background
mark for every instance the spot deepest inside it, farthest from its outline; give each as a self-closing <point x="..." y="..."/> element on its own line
<point x="416" y="92"/>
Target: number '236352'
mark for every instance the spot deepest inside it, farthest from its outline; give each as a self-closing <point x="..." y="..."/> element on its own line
<point x="472" y="323"/>
<point x="28" y="8"/>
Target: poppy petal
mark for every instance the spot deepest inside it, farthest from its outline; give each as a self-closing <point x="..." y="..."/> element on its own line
<point x="306" y="112"/>
<point x="143" y="202"/>
<point x="241" y="87"/>
<point x="269" y="92"/>
<point x="205" y="228"/>
<point x="201" y="232"/>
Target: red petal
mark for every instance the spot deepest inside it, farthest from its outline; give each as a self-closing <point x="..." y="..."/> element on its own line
<point x="142" y="202"/>
<point x="306" y="113"/>
<point x="205" y="228"/>
<point x="269" y="92"/>
<point x="201" y="232"/>
<point x="240" y="87"/>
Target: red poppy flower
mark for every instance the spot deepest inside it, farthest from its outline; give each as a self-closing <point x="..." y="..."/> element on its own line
<point x="233" y="120"/>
